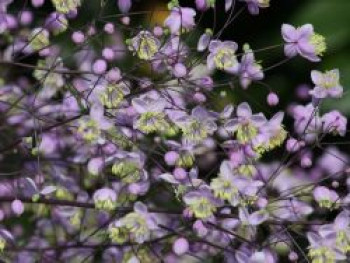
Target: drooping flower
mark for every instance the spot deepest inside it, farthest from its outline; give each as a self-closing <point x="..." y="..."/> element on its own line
<point x="65" y="6"/>
<point x="334" y="122"/>
<point x="325" y="197"/>
<point x="124" y="5"/>
<point x="105" y="199"/>
<point x="151" y="109"/>
<point x="326" y="84"/>
<point x="246" y="125"/>
<point x="340" y="229"/>
<point x="250" y="70"/>
<point x="323" y="250"/>
<point x="222" y="56"/>
<point x="198" y="126"/>
<point x="136" y="226"/>
<point x="254" y="5"/>
<point x="39" y="39"/>
<point x="145" y="45"/>
<point x="303" y="41"/>
<point x="201" y="203"/>
<point x="180" y="18"/>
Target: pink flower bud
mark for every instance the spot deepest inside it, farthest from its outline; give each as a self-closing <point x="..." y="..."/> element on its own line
<point x="158" y="31"/>
<point x="109" y="28"/>
<point x="17" y="207"/>
<point x="114" y="75"/>
<point x="180" y="173"/>
<point x="305" y="162"/>
<point x="99" y="67"/>
<point x="272" y="99"/>
<point x="124" y="5"/>
<point x="37" y="3"/>
<point x="78" y="37"/>
<point x="108" y="53"/>
<point x="179" y="70"/>
<point x="199" y="97"/>
<point x="180" y="246"/>
<point x="171" y="157"/>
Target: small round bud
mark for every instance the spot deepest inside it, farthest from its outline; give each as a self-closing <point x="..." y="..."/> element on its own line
<point x="125" y="20"/>
<point x="99" y="67"/>
<point x="180" y="246"/>
<point x="272" y="99"/>
<point x="306" y="162"/>
<point x="17" y="207"/>
<point x="262" y="202"/>
<point x="109" y="28"/>
<point x="293" y="256"/>
<point x="114" y="75"/>
<point x="78" y="37"/>
<point x="108" y="53"/>
<point x="171" y="157"/>
<point x="199" y="97"/>
<point x="180" y="173"/>
<point x="158" y="31"/>
<point x="335" y="184"/>
<point x="179" y="70"/>
<point x="134" y="189"/>
<point x="26" y="18"/>
<point x="37" y="3"/>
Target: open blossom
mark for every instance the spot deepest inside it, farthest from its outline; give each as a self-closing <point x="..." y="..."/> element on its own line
<point x="201" y="203"/>
<point x="325" y="197"/>
<point x="326" y="84"/>
<point x="222" y="56"/>
<point x="180" y="18"/>
<point x="255" y="5"/>
<point x="323" y="249"/>
<point x="334" y="122"/>
<point x="303" y="41"/>
<point x="65" y="6"/>
<point x="105" y="198"/>
<point x="145" y="45"/>
<point x="136" y="226"/>
<point x="246" y="125"/>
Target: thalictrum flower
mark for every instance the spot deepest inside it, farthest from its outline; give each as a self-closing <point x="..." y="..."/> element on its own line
<point x="326" y="84"/>
<point x="303" y="41"/>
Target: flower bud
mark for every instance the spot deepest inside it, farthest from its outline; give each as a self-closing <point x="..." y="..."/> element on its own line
<point x="17" y="207"/>
<point x="272" y="99"/>
<point x="99" y="67"/>
<point x="171" y="158"/>
<point x="180" y="246"/>
<point x="78" y="37"/>
<point x="180" y="173"/>
<point x="179" y="70"/>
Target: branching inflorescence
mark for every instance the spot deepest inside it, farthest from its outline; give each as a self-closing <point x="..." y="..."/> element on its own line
<point x="115" y="146"/>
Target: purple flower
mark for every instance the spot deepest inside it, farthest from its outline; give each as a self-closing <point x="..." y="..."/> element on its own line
<point x="105" y="198"/>
<point x="180" y="18"/>
<point x="334" y="122"/>
<point x="254" y="5"/>
<point x="326" y="84"/>
<point x="202" y="202"/>
<point x="250" y="70"/>
<point x="124" y="5"/>
<point x="204" y="40"/>
<point x="246" y="125"/>
<point x="303" y="41"/>
<point x="325" y="197"/>
<point x="323" y="249"/>
<point x="222" y="56"/>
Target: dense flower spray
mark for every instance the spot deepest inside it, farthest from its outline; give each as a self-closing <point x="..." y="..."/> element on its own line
<point x="118" y="143"/>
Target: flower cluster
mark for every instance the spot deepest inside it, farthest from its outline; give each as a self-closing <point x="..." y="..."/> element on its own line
<point x="119" y="142"/>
